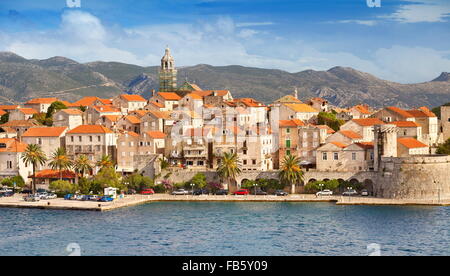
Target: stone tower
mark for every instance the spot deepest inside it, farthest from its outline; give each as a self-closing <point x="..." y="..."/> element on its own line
<point x="385" y="143"/>
<point x="445" y="122"/>
<point x="167" y="73"/>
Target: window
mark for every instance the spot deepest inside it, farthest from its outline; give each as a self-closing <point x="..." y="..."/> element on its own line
<point x="353" y="156"/>
<point x="254" y="162"/>
<point x="245" y="152"/>
<point x="244" y="162"/>
<point x="288" y="130"/>
<point x="71" y="138"/>
<point x="324" y="156"/>
<point x="9" y="164"/>
<point x="288" y="152"/>
<point x="80" y="138"/>
<point x="99" y="138"/>
<point x="288" y="143"/>
<point x="336" y="156"/>
<point x="90" y="138"/>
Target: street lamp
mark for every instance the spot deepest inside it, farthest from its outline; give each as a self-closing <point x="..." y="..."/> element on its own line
<point x="254" y="187"/>
<point x="321" y="186"/>
<point x="192" y="186"/>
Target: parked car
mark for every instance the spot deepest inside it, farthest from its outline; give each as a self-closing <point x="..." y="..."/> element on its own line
<point x="43" y="195"/>
<point x="106" y="199"/>
<point x="68" y="197"/>
<point x="260" y="192"/>
<point x="364" y="193"/>
<point x="325" y="193"/>
<point x="280" y="193"/>
<point x="180" y="192"/>
<point x="221" y="192"/>
<point x="242" y="192"/>
<point x="5" y="190"/>
<point x="350" y="192"/>
<point x="26" y="191"/>
<point x="131" y="192"/>
<point x="32" y="198"/>
<point x="7" y="194"/>
<point x="201" y="192"/>
<point x="147" y="191"/>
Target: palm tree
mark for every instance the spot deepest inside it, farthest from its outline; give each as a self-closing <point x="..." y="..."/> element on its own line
<point x="105" y="162"/>
<point x="229" y="168"/>
<point x="60" y="161"/>
<point x="82" y="165"/>
<point x="290" y="172"/>
<point x="35" y="156"/>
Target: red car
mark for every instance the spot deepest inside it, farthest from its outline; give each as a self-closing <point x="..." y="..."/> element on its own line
<point x="147" y="192"/>
<point x="242" y="192"/>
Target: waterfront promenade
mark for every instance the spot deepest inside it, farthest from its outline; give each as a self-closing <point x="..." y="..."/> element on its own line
<point x="132" y="200"/>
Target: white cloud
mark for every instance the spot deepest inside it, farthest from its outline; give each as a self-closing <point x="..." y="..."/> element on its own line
<point x="416" y="11"/>
<point x="360" y="22"/>
<point x="253" y="24"/>
<point x="83" y="37"/>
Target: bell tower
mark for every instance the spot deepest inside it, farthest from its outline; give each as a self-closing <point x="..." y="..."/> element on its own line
<point x="167" y="73"/>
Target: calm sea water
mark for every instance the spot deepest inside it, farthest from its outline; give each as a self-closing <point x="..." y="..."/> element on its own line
<point x="228" y="229"/>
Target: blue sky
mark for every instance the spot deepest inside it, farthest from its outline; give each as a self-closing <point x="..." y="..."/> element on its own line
<point x="403" y="40"/>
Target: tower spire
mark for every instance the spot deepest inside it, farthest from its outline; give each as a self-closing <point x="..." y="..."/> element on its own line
<point x="167" y="73"/>
<point x="296" y="93"/>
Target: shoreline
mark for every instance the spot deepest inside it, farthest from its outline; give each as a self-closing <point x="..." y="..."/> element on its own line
<point x="134" y="200"/>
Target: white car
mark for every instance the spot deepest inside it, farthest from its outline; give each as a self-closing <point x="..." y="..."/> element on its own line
<point x="32" y="198"/>
<point x="180" y="192"/>
<point x="51" y="196"/>
<point x="324" y="193"/>
<point x="5" y="190"/>
<point x="364" y="193"/>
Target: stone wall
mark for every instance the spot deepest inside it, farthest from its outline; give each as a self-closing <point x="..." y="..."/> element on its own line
<point x="445" y="121"/>
<point x="419" y="177"/>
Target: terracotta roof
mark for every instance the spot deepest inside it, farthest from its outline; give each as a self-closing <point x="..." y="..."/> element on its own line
<point x="131" y="133"/>
<point x="350" y="134"/>
<point x="72" y="111"/>
<point x="400" y="111"/>
<point x="27" y="111"/>
<point x="195" y="96"/>
<point x="105" y="101"/>
<point x="303" y="108"/>
<point x="8" y="107"/>
<point x="133" y="119"/>
<point x="206" y="93"/>
<point x="329" y="129"/>
<point x="363" y="109"/>
<point x="156" y="134"/>
<point x="88" y="129"/>
<point x="160" y="114"/>
<point x="159" y="105"/>
<point x="12" y="145"/>
<point x="105" y="108"/>
<point x="338" y="144"/>
<point x="66" y="103"/>
<point x="368" y="122"/>
<point x="249" y="102"/>
<point x="139" y="113"/>
<point x="321" y="100"/>
<point x="169" y="96"/>
<point x="427" y="111"/>
<point x="54" y="174"/>
<point x="365" y="145"/>
<point x="86" y="101"/>
<point x="113" y="118"/>
<point x="421" y="113"/>
<point x="44" y="132"/>
<point x="405" y="124"/>
<point x="20" y="123"/>
<point x="2" y="112"/>
<point x="291" y="123"/>
<point x="42" y="101"/>
<point x="411" y="143"/>
<point x="133" y="98"/>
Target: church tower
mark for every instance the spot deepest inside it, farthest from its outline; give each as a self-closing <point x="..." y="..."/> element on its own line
<point x="167" y="73"/>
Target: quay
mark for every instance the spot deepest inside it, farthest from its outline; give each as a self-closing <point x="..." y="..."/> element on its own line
<point x="133" y="200"/>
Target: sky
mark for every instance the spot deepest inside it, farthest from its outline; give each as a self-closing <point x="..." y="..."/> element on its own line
<point x="406" y="41"/>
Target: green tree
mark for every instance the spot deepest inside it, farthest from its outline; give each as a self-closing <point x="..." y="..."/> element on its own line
<point x="314" y="187"/>
<point x="63" y="187"/>
<point x="105" y="162"/>
<point x="107" y="177"/>
<point x="444" y="148"/>
<point x="199" y="180"/>
<point x="4" y="118"/>
<point x="330" y="119"/>
<point x="138" y="182"/>
<point x="85" y="185"/>
<point x="60" y="161"/>
<point x="42" y="119"/>
<point x="9" y="181"/>
<point x="82" y="165"/>
<point x="55" y="107"/>
<point x="290" y="172"/>
<point x="35" y="156"/>
<point x="229" y="168"/>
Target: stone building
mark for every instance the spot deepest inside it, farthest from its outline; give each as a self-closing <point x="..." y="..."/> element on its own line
<point x="70" y="118"/>
<point x="40" y="104"/>
<point x="11" y="163"/>
<point x="22" y="114"/>
<point x="445" y="122"/>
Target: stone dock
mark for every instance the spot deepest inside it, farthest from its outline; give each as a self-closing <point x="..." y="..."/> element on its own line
<point x="61" y="204"/>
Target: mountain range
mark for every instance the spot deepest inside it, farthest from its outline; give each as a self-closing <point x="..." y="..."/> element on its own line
<point x="22" y="79"/>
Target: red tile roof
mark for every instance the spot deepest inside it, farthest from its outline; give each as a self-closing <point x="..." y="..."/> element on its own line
<point x="291" y="123"/>
<point x="195" y="96"/>
<point x="159" y="105"/>
<point x="405" y="124"/>
<point x="350" y="134"/>
<point x="20" y="123"/>
<point x="53" y="174"/>
<point x="156" y="134"/>
<point x="411" y="143"/>
<point x="27" y="111"/>
<point x="363" y="109"/>
<point x="44" y="132"/>
<point x="133" y="98"/>
<point x="399" y="111"/>
<point x="8" y="107"/>
<point x="169" y="96"/>
<point x="133" y="119"/>
<point x="365" y="145"/>
<point x="113" y="118"/>
<point x="42" y="101"/>
<point x="90" y="129"/>
<point x="72" y="111"/>
<point x="206" y="93"/>
<point x="12" y="145"/>
<point x="105" y="108"/>
<point x="338" y="144"/>
<point x="368" y="122"/>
